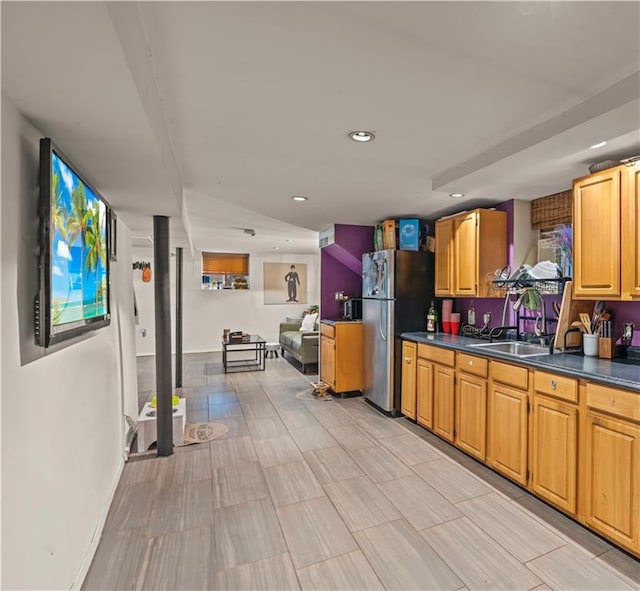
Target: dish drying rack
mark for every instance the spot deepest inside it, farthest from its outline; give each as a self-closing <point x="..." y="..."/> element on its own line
<point x="542" y="286"/>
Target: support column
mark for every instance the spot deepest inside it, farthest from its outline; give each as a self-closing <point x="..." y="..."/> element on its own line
<point x="178" y="317"/>
<point x="162" y="293"/>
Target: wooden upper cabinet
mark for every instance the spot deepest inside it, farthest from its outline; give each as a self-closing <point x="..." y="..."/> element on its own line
<point x="597" y="205"/>
<point x="469" y="248"/>
<point x="465" y="253"/>
<point x="631" y="235"/>
<point x="444" y="257"/>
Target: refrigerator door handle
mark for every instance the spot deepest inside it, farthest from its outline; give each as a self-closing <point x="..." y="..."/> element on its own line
<point x="380" y="323"/>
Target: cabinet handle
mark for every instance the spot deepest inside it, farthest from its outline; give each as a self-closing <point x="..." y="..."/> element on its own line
<point x="554" y="385"/>
<point x="407" y="359"/>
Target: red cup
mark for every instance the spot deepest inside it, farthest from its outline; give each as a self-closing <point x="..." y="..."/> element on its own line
<point x="446" y="326"/>
<point x="455" y="322"/>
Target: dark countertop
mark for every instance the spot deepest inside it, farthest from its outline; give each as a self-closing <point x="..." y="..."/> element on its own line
<point x="332" y="322"/>
<point x="618" y="373"/>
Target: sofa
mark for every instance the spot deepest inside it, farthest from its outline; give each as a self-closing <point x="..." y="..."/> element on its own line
<point x="301" y="345"/>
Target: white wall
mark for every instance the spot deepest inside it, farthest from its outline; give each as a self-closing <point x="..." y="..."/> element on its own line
<point x="62" y="423"/>
<point x="208" y="312"/>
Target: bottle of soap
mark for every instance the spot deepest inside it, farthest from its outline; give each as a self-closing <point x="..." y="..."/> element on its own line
<point x="432" y="318"/>
<point x="471" y="315"/>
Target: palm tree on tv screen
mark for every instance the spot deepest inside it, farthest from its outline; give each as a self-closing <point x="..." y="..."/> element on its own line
<point x="96" y="253"/>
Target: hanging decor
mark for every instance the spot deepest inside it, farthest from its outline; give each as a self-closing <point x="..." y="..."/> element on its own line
<point x="145" y="267"/>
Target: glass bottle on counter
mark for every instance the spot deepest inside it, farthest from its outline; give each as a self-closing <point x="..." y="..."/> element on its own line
<point x="432" y="318"/>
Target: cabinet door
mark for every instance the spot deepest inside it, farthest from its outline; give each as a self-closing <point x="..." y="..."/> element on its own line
<point x="328" y="361"/>
<point x="553" y="451"/>
<point x="408" y="405"/>
<point x="443" y="401"/>
<point x="508" y="432"/>
<point x="425" y="393"/>
<point x="596" y="235"/>
<point x="444" y="257"/>
<point x="465" y="255"/>
<point x="471" y="415"/>
<point x="613" y="478"/>
<point x="631" y="235"/>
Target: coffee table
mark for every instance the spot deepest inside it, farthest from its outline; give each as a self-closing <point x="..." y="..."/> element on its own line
<point x="254" y="346"/>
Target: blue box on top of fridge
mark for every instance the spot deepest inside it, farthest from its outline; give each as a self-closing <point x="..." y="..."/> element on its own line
<point x="409" y="234"/>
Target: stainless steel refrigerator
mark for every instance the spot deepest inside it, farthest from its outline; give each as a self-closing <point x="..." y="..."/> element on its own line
<point x="397" y="288"/>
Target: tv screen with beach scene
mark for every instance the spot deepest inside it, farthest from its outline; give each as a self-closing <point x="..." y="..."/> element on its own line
<point x="73" y="295"/>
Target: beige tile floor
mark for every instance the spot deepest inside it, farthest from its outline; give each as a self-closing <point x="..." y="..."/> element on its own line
<point x="309" y="494"/>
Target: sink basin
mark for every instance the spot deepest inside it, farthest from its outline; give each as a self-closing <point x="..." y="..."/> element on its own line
<point x="515" y="348"/>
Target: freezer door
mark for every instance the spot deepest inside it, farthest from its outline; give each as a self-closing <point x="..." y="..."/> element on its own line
<point x="377" y="318"/>
<point x="378" y="274"/>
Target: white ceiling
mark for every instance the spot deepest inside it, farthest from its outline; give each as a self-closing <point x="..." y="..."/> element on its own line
<point x="216" y="113"/>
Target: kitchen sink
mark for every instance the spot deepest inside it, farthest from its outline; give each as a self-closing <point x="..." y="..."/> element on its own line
<point x="515" y="348"/>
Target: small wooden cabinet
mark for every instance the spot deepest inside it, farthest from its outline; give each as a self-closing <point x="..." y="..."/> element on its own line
<point x="444" y="401"/>
<point x="554" y="440"/>
<point x="471" y="405"/>
<point x="408" y="389"/>
<point x="469" y="246"/>
<point x="341" y="356"/>
<point x="606" y="247"/>
<point x="508" y="421"/>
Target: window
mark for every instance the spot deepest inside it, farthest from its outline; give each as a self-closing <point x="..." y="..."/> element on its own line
<point x="224" y="270"/>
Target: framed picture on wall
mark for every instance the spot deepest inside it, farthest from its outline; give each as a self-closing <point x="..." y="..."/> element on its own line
<point x="285" y="283"/>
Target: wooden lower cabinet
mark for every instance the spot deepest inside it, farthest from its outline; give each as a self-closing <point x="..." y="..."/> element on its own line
<point x="444" y="401"/>
<point x="508" y="421"/>
<point x="612" y="487"/>
<point x="341" y="356"/>
<point x="471" y="415"/>
<point x="508" y="435"/>
<point x="328" y="360"/>
<point x="424" y="380"/>
<point x="409" y="359"/>
<point x="554" y="451"/>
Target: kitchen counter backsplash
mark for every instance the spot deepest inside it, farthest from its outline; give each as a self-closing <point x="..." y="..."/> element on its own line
<point x="621" y="312"/>
<point x="610" y="372"/>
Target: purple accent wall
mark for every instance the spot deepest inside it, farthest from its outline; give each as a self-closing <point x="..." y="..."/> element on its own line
<point x="622" y="312"/>
<point x="341" y="266"/>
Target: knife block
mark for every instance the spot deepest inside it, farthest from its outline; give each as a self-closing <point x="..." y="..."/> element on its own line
<point x="606" y="348"/>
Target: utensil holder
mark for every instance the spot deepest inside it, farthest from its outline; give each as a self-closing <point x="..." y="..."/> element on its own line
<point x="590" y="345"/>
<point x="606" y="348"/>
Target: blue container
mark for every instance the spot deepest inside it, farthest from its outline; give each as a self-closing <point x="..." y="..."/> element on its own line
<point x="409" y="234"/>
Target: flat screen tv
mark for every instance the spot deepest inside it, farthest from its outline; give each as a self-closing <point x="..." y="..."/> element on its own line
<point x="73" y="295"/>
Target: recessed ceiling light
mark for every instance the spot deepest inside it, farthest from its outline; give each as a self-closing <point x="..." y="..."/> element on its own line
<point x="276" y="248"/>
<point x="288" y="240"/>
<point x="456" y="195"/>
<point x="299" y="198"/>
<point x="598" y="145"/>
<point x="361" y="136"/>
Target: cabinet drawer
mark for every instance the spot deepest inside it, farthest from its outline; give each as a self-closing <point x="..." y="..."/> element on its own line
<point x="511" y="375"/>
<point x="616" y="402"/>
<point x="475" y="365"/>
<point x="328" y="330"/>
<point x="556" y="386"/>
<point x="442" y="356"/>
